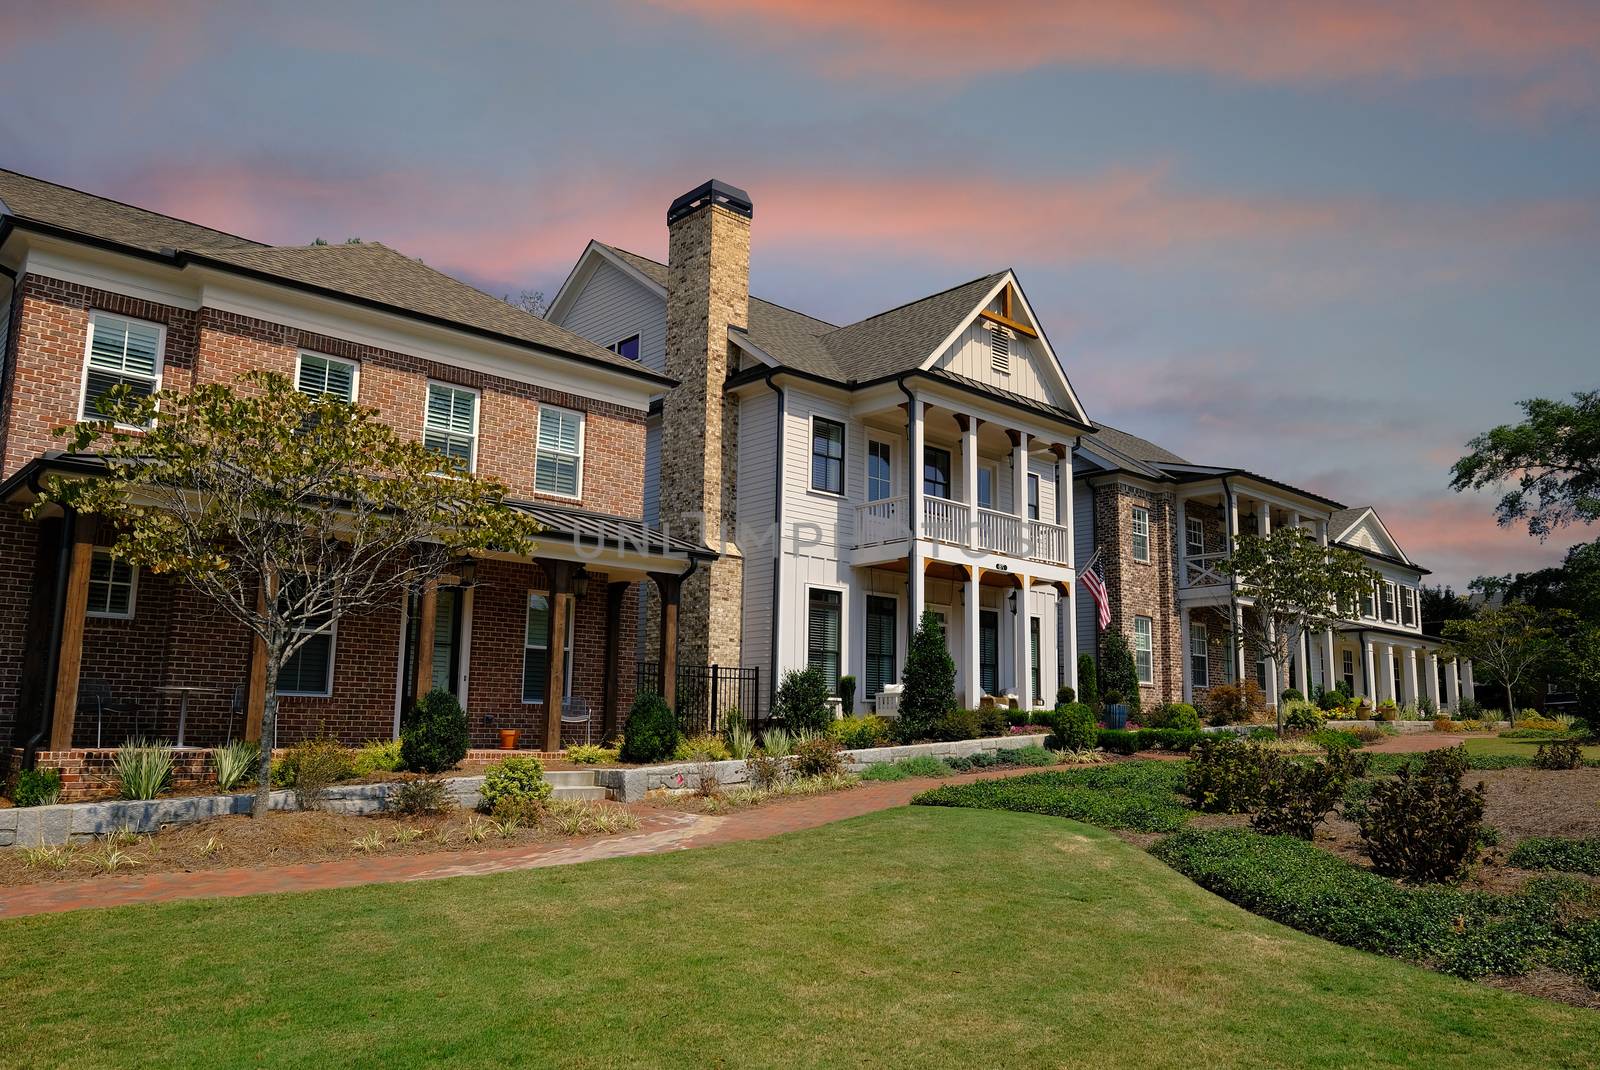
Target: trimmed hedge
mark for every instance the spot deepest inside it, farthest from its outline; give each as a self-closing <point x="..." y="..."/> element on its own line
<point x="1122" y="741"/>
<point x="1467" y="933"/>
<point x="1127" y="795"/>
<point x="1558" y="852"/>
<point x="1390" y="764"/>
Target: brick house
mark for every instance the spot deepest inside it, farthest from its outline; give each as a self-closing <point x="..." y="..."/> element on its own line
<point x="854" y="475"/>
<point x="94" y="293"/>
<point x="1162" y="525"/>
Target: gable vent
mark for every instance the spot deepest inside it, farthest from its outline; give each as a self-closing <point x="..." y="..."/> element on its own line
<point x="1000" y="348"/>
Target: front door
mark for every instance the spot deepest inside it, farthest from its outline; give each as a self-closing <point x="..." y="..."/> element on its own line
<point x="446" y="653"/>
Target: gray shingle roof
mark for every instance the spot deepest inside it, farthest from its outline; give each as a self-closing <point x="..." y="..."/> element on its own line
<point x="1132" y="446"/>
<point x="371" y="272"/>
<point x="1340" y="519"/>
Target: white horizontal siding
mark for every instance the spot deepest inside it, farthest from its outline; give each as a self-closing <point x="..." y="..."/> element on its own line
<point x="1082" y="550"/>
<point x="758" y="428"/>
<point x="611" y="306"/>
<point x="970" y="354"/>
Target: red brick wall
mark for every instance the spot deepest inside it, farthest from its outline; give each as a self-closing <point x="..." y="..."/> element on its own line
<point x="213" y="346"/>
<point x="19" y="549"/>
<point x="1138" y="588"/>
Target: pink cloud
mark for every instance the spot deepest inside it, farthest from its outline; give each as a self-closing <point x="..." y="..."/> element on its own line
<point x="1457" y="537"/>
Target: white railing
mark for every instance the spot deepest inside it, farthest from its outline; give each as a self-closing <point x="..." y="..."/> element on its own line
<point x="882" y="521"/>
<point x="944" y="521"/>
<point x="1201" y="570"/>
<point x="1052" y="543"/>
<point x="1001" y="533"/>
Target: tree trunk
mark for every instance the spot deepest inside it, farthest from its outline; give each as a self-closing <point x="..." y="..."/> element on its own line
<point x="269" y="733"/>
<point x="1511" y="706"/>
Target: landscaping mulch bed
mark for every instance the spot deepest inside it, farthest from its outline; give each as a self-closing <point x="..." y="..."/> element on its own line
<point x="282" y="838"/>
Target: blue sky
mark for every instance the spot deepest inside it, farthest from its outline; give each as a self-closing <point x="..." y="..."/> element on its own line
<point x="1326" y="243"/>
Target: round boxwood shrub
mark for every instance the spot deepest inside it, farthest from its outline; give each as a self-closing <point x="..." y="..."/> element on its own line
<point x="433" y="736"/>
<point x="1074" y="727"/>
<point x="651" y="733"/>
<point x="518" y="779"/>
<point x="1179" y="716"/>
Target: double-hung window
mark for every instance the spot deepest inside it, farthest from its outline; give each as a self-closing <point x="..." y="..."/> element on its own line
<point x="1143" y="649"/>
<point x="935" y="472"/>
<point x="1348" y="671"/>
<point x="880" y="471"/>
<point x="1034" y="625"/>
<point x="1033" y="496"/>
<point x="1369" y="604"/>
<point x="112" y="582"/>
<point x="536" y="649"/>
<point x="1388" y="601"/>
<point x="558" y="461"/>
<point x="1194" y="536"/>
<point x="985" y="487"/>
<point x="1408" y="612"/>
<point x="824" y="634"/>
<point x="1199" y="656"/>
<point x="827" y="455"/>
<point x="122" y="352"/>
<point x="309" y="670"/>
<point x="450" y="426"/>
<point x="1141" y="534"/>
<point x="319" y="375"/>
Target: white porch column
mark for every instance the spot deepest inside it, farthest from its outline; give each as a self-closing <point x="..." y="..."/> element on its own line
<point x="1273" y="684"/>
<point x="1183" y="654"/>
<point x="1019" y="474"/>
<point x="1263" y="519"/>
<point x="1021" y="644"/>
<point x="1066" y="516"/>
<point x="1071" y="603"/>
<point x="1330" y="675"/>
<point x="1410" y="669"/>
<point x="1181" y="538"/>
<point x="969" y="475"/>
<point x="1433" y="679"/>
<point x="973" y="675"/>
<point x="916" y="581"/>
<point x="1453" y="680"/>
<point x="1305" y="663"/>
<point x="1369" y="672"/>
<point x="1387" y="690"/>
<point x="1239" y="675"/>
<point x="1470" y="684"/>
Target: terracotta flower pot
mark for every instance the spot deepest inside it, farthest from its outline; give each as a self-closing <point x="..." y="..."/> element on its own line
<point x="508" y="738"/>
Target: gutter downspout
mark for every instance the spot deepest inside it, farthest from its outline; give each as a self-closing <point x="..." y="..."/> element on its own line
<point x="777" y="531"/>
<point x="913" y="502"/>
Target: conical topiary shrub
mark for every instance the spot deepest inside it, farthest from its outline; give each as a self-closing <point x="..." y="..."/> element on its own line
<point x="930" y="681"/>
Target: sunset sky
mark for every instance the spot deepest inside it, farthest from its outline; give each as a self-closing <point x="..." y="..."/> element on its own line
<point x="1327" y="242"/>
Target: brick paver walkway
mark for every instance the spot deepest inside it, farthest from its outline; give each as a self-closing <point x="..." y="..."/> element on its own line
<point x="660" y="830"/>
<point x="1412" y="742"/>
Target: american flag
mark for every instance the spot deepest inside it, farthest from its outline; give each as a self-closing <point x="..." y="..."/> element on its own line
<point x="1095" y="581"/>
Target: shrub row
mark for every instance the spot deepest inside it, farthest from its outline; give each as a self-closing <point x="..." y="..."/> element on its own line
<point x="1467" y="933"/>
<point x="1140" y="796"/>
<point x="932" y="765"/>
<point x="1122" y="741"/>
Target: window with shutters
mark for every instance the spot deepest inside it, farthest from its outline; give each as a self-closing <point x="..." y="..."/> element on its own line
<point x="1000" y="349"/>
<point x="880" y="471"/>
<point x="1199" y="656"/>
<point x="1407" y="607"/>
<point x="112" y="582"/>
<point x="824" y="628"/>
<point x="1143" y="650"/>
<point x="1033" y="660"/>
<point x="318" y="375"/>
<point x="536" y="648"/>
<point x="1369" y="604"/>
<point x="309" y="670"/>
<point x="827" y="455"/>
<point x="883" y="616"/>
<point x="1141" y="534"/>
<point x="558" y="463"/>
<point x="122" y="352"/>
<point x="450" y="425"/>
<point x="1388" y="601"/>
<point x="989" y="651"/>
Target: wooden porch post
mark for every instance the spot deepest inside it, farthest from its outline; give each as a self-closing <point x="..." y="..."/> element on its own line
<point x="560" y="574"/>
<point x="669" y="586"/>
<point x="256" y="700"/>
<point x="615" y="593"/>
<point x="427" y="620"/>
<point x="70" y="662"/>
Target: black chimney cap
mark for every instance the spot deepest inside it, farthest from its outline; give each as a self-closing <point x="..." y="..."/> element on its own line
<point x="713" y="192"/>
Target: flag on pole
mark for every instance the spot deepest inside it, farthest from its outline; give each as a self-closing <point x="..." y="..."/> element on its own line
<point x="1094" y="579"/>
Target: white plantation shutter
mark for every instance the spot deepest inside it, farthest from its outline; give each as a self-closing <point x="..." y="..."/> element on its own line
<point x="121" y="352"/>
<point x="559" y="456"/>
<point x="322" y="375"/>
<point x="451" y="424"/>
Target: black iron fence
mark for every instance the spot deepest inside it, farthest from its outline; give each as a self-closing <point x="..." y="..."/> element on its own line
<point x="709" y="696"/>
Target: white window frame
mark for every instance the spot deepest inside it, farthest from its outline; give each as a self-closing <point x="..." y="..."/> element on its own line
<point x="583" y="427"/>
<point x="993" y="472"/>
<point x="1347" y="668"/>
<point x="1192" y="526"/>
<point x="872" y="441"/>
<point x="844" y="627"/>
<point x="1034" y="506"/>
<point x="844" y="456"/>
<point x="1149" y="649"/>
<point x="353" y="365"/>
<point x="1200" y="636"/>
<point x="1140" y="518"/>
<point x="616" y="347"/>
<point x="477" y="415"/>
<point x="1389" y="603"/>
<point x="332" y="632"/>
<point x="133" y="588"/>
<point x="572" y="622"/>
<point x="95" y="315"/>
<point x="1408" y="608"/>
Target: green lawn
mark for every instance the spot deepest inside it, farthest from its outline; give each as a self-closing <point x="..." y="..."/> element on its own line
<point x="1522" y="748"/>
<point x="915" y="937"/>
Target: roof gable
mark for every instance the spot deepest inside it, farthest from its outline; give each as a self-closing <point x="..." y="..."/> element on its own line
<point x="1363" y="529"/>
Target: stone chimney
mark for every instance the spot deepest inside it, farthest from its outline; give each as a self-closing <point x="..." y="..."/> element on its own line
<point x="708" y="291"/>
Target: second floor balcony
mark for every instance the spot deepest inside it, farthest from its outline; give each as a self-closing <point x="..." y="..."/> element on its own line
<point x="886" y="525"/>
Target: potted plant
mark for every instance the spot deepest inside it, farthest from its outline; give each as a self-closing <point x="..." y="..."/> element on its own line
<point x="508" y="738"/>
<point x="1116" y="710"/>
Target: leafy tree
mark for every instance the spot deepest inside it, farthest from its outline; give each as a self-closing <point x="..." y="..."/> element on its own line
<point x="1297" y="586"/>
<point x="802" y="700"/>
<point x="1118" y="673"/>
<point x="1509" y="644"/>
<point x="1553" y="456"/>
<point x="929" y="678"/>
<point x="1440" y="604"/>
<point x="290" y="512"/>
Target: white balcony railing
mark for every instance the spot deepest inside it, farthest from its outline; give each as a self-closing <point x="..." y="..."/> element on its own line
<point x="951" y="522"/>
<point x="1201" y="570"/>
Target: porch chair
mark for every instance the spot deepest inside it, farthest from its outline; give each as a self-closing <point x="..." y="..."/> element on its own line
<point x="576" y="711"/>
<point x="96" y="696"/>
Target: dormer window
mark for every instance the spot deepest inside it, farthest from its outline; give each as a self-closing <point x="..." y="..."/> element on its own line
<point x="1000" y="348"/>
<point x="627" y="347"/>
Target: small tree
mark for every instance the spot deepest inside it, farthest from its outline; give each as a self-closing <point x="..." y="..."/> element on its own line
<point x="802" y="700"/>
<point x="1118" y="673"/>
<point x="1554" y="457"/>
<point x="1509" y="644"/>
<point x="290" y="512"/>
<point x="1298" y="587"/>
<point x="929" y="678"/>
